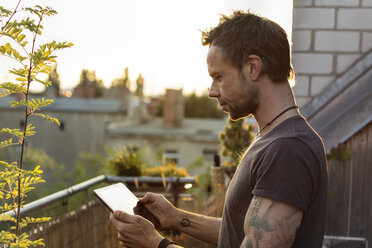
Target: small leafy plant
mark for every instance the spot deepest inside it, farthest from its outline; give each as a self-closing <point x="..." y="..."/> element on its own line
<point x="18" y="42"/>
<point x="234" y="139"/>
<point x="127" y="162"/>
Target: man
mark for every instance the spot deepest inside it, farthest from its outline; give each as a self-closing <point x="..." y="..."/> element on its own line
<point x="277" y="196"/>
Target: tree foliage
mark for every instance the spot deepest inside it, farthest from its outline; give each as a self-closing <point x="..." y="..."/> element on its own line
<point x="122" y="82"/>
<point x="18" y="42"/>
<point x="196" y="106"/>
<point x="140" y="83"/>
<point x="89" y="78"/>
<point x="54" y="80"/>
<point x="201" y="107"/>
<point x="51" y="169"/>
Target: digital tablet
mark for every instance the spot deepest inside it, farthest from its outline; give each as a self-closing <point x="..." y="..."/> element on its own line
<point x="117" y="197"/>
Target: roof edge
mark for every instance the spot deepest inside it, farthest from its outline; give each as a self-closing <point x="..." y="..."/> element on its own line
<point x="335" y="88"/>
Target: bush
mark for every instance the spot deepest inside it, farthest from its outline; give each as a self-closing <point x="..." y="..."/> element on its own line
<point x="126" y="163"/>
<point x="169" y="170"/>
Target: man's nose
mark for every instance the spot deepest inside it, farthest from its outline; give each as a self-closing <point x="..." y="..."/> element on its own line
<point x="214" y="91"/>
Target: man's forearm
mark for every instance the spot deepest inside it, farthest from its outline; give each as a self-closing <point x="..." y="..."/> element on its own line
<point x="202" y="227"/>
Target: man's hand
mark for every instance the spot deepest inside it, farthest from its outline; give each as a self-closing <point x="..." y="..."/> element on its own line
<point x="135" y="231"/>
<point x="162" y="209"/>
<point x="201" y="227"/>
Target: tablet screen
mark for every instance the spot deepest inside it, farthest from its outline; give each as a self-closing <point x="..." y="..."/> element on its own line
<point x="117" y="197"/>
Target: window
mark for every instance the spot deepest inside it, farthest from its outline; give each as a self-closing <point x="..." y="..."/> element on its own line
<point x="208" y="154"/>
<point x="62" y="125"/>
<point x="171" y="156"/>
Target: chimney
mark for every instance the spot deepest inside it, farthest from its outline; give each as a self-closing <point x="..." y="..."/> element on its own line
<point x="51" y="92"/>
<point x="84" y="91"/>
<point x="173" y="108"/>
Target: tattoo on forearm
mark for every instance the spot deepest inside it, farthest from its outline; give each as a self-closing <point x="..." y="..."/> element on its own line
<point x="185" y="222"/>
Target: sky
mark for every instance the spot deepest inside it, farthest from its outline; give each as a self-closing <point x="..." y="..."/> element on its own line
<point x="159" y="39"/>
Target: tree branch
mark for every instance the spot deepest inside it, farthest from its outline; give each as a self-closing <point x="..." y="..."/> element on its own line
<point x="10" y="18"/>
<point x="25" y="127"/>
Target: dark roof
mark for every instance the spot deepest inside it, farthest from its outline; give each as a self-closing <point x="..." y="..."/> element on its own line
<point x="77" y="105"/>
<point x="191" y="129"/>
<point x="345" y="107"/>
<point x="195" y="129"/>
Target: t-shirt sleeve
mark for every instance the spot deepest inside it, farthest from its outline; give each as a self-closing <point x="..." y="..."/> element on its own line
<point x="286" y="172"/>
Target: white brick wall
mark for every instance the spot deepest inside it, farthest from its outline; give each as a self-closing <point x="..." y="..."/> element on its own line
<point x="337" y="41"/>
<point x="319" y="83"/>
<point x="301" y="87"/>
<point x="366" y="41"/>
<point x="308" y="63"/>
<point x="302" y="3"/>
<point x="314" y="18"/>
<point x="328" y="37"/>
<point x="301" y="40"/>
<point x="354" y="18"/>
<point x="336" y="2"/>
<point x="344" y="61"/>
<point x="367" y="3"/>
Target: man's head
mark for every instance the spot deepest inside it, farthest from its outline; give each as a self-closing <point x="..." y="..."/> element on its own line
<point x="234" y="89"/>
<point x="243" y="34"/>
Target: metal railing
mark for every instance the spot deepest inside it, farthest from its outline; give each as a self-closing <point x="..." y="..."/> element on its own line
<point x="344" y="241"/>
<point x="84" y="186"/>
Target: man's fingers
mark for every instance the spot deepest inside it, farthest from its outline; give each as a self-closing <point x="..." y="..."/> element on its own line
<point x="124" y="217"/>
<point x="148" y="198"/>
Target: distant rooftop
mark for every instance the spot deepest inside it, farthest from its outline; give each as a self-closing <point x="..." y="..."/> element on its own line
<point x="192" y="128"/>
<point x="77" y="105"/>
<point x="196" y="129"/>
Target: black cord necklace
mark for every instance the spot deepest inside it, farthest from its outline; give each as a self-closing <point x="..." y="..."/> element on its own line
<point x="269" y="123"/>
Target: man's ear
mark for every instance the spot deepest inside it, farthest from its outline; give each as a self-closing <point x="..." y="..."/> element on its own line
<point x="253" y="67"/>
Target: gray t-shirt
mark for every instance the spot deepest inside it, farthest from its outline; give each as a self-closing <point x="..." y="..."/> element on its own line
<point x="289" y="165"/>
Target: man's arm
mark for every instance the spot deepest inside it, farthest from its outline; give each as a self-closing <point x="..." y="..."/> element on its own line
<point x="270" y="223"/>
<point x="201" y="227"/>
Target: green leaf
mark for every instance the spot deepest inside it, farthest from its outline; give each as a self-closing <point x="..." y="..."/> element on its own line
<point x="46" y="83"/>
<point x="8" y="142"/>
<point x="23" y="72"/>
<point x="7" y="217"/>
<point x="41" y="103"/>
<point x="37" y="169"/>
<point x="4" y="94"/>
<point x="8" y="49"/>
<point x="24" y="102"/>
<point x="18" y="56"/>
<point x="9" y="166"/>
<point x="30" y="130"/>
<point x="15" y="132"/>
<point x="5" y="12"/>
<point x="31" y="220"/>
<point x="48" y="118"/>
<point x="20" y="38"/>
<point x="23" y="44"/>
<point x="46" y="69"/>
<point x="14" y="88"/>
